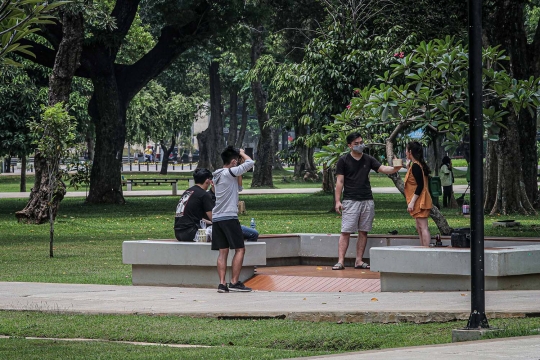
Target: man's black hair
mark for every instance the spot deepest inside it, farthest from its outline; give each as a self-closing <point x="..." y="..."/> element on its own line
<point x="201" y="175"/>
<point x="353" y="136"/>
<point x="229" y="154"/>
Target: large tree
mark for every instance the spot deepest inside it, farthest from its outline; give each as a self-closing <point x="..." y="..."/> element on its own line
<point x="49" y="190"/>
<point x="183" y="24"/>
<point x="512" y="163"/>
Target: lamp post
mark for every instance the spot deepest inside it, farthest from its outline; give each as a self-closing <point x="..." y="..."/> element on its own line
<point x="477" y="319"/>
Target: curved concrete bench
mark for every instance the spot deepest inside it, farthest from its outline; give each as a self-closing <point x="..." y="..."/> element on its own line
<point x="192" y="264"/>
<point x="419" y="268"/>
<point x="173" y="263"/>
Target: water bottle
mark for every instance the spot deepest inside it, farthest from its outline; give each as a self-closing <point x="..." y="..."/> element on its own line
<point x="252" y="224"/>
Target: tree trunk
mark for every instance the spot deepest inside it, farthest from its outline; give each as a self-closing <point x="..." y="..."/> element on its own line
<point x="490" y="176"/>
<point x="435" y="152"/>
<point x="211" y="142"/>
<point x="7" y="165"/>
<point x="90" y="143"/>
<point x="510" y="195"/>
<point x="108" y="112"/>
<point x="37" y="208"/>
<point x="66" y="63"/>
<point x="305" y="163"/>
<point x="23" y="174"/>
<point x="505" y="21"/>
<point x="243" y="125"/>
<point x="329" y="179"/>
<point x="165" y="153"/>
<point x="262" y="175"/>
<point x="277" y="160"/>
<point x="233" y="120"/>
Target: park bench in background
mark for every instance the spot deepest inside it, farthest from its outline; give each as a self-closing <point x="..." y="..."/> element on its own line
<point x="172" y="182"/>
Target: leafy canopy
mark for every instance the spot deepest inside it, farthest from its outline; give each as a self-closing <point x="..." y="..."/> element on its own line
<point x="427" y="89"/>
<point x="18" y="19"/>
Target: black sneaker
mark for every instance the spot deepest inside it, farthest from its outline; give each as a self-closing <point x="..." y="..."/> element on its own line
<point x="239" y="286"/>
<point x="222" y="288"/>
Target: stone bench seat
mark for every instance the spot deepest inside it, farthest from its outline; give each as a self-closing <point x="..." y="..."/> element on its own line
<point x="192" y="264"/>
<point x="419" y="268"/>
<point x="169" y="262"/>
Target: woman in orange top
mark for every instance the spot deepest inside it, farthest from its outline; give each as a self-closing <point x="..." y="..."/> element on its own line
<point x="416" y="190"/>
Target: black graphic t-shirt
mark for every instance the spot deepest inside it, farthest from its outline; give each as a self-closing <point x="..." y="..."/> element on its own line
<point x="192" y="207"/>
<point x="356" y="185"/>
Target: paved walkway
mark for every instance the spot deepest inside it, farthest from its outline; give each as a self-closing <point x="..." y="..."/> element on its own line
<point x="527" y="347"/>
<point x="376" y="190"/>
<point x="359" y="307"/>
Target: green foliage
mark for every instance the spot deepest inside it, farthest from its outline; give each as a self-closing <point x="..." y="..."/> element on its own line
<point x="20" y="18"/>
<point x="427" y="89"/>
<point x="54" y="133"/>
<point x="156" y="115"/>
<point x="20" y="100"/>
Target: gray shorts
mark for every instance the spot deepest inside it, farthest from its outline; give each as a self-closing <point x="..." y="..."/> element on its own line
<point x="357" y="216"/>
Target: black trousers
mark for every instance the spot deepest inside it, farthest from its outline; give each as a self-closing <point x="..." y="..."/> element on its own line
<point x="447" y="195"/>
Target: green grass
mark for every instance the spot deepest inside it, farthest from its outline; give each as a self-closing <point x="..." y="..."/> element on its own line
<point x="282" y="179"/>
<point x="88" y="239"/>
<point x="242" y="339"/>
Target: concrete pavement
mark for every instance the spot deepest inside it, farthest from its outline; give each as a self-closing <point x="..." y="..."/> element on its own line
<point x="526" y="347"/>
<point x="315" y="306"/>
<point x="351" y="307"/>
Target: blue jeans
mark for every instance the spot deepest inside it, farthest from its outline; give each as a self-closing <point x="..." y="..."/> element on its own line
<point x="249" y="233"/>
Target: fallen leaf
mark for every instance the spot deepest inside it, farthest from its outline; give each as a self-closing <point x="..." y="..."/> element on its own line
<point x="374" y="299"/>
<point x="324" y="303"/>
<point x="304" y="299"/>
<point x="319" y="268"/>
<point x="463" y="294"/>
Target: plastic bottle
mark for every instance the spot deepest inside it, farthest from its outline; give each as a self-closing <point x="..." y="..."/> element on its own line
<point x="252" y="224"/>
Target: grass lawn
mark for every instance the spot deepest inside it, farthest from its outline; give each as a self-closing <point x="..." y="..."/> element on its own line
<point x="238" y="339"/>
<point x="88" y="250"/>
<point x="282" y="179"/>
<point x="88" y="238"/>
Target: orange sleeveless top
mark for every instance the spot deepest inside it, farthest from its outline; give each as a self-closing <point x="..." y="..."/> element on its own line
<point x="423" y="204"/>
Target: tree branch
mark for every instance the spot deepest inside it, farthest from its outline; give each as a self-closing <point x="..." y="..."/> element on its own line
<point x="46" y="56"/>
<point x="124" y="12"/>
<point x="171" y="43"/>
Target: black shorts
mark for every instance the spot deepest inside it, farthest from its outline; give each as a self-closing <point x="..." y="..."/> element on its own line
<point x="186" y="234"/>
<point x="227" y="234"/>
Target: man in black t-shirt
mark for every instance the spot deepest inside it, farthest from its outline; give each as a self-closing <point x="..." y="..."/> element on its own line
<point x="195" y="204"/>
<point x="358" y="208"/>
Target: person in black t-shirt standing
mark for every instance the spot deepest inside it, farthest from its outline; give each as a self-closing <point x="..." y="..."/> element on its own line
<point x="358" y="208"/>
<point x="195" y="204"/>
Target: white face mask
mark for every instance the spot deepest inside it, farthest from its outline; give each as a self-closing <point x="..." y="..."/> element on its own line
<point x="359" y="148"/>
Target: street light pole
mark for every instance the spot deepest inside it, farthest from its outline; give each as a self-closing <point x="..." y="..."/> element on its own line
<point x="477" y="319"/>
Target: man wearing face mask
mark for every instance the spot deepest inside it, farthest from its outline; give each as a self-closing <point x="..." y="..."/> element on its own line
<point x="358" y="208"/>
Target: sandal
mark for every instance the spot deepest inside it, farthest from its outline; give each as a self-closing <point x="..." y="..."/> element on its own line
<point x="362" y="266"/>
<point x="338" y="266"/>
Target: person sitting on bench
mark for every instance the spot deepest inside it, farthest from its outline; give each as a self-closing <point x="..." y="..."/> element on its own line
<point x="195" y="204"/>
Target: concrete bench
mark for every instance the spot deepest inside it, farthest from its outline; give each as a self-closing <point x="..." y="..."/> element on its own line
<point x="191" y="264"/>
<point x="418" y="268"/>
<point x="321" y="249"/>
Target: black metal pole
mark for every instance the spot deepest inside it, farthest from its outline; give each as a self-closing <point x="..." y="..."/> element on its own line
<point x="477" y="319"/>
